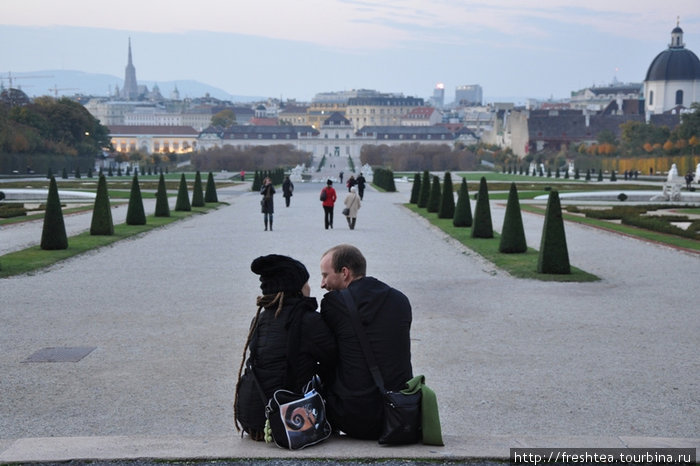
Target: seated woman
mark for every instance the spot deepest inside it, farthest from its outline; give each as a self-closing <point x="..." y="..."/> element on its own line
<point x="288" y="340"/>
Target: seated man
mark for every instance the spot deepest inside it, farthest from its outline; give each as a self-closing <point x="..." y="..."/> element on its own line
<point x="353" y="400"/>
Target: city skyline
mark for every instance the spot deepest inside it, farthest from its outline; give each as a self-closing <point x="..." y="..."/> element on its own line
<point x="513" y="49"/>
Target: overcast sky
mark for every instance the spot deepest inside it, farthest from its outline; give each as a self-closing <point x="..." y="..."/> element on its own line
<point x="294" y="49"/>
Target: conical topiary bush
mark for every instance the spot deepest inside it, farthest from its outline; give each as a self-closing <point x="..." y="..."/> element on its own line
<point x="483" y="227"/>
<point x="415" y="190"/>
<point x="102" y="212"/>
<point x="435" y="195"/>
<point x="424" y="190"/>
<point x="463" y="210"/>
<point x="257" y="182"/>
<point x="447" y="201"/>
<point x="210" y="193"/>
<point x="513" y="234"/>
<point x="197" y="192"/>
<point x="162" y="206"/>
<point x="554" y="255"/>
<point x="53" y="235"/>
<point x="182" y="204"/>
<point x="135" y="214"/>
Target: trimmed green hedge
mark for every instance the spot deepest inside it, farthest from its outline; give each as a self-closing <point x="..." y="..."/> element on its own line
<point x="384" y="178"/>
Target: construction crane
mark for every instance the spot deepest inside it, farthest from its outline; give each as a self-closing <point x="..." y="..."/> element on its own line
<point x="11" y="78"/>
<point x="56" y="89"/>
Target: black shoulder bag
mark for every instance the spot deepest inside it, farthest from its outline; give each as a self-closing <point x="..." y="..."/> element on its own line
<point x="402" y="412"/>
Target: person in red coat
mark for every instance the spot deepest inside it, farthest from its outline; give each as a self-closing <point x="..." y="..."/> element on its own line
<point x="328" y="197"/>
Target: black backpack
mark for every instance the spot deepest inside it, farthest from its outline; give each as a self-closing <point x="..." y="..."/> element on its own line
<point x="250" y="401"/>
<point x="323" y="194"/>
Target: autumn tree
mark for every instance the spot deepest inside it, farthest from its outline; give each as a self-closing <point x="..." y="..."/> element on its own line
<point x="224" y="118"/>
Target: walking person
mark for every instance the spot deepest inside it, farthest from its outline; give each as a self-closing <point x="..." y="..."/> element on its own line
<point x="328" y="198"/>
<point x="352" y="205"/>
<point x="361" y="186"/>
<point x="351" y="182"/>
<point x="287" y="189"/>
<point x="267" y="204"/>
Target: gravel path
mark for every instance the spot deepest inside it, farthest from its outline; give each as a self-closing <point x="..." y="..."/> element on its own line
<point x="167" y="314"/>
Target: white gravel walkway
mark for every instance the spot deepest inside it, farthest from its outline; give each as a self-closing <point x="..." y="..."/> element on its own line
<point x="514" y="362"/>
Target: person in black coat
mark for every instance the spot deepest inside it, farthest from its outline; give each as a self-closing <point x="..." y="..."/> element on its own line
<point x="353" y="401"/>
<point x="361" y="185"/>
<point x="288" y="340"/>
<point x="267" y="205"/>
<point x="287" y="189"/>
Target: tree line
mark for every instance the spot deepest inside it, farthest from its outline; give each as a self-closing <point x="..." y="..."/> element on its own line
<point x="232" y="158"/>
<point x="638" y="138"/>
<point x="46" y="130"/>
<point x="416" y="157"/>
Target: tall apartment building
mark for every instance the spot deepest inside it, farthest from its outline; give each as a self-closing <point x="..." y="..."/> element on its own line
<point x="438" y="98"/>
<point x="469" y="94"/>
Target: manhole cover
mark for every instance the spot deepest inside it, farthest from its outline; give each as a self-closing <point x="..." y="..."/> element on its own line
<point x="71" y="354"/>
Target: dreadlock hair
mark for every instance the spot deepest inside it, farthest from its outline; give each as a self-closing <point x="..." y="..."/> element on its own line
<point x="265" y="301"/>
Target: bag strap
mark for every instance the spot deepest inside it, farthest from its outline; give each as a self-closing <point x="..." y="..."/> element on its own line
<point x="293" y="343"/>
<point x="362" y="336"/>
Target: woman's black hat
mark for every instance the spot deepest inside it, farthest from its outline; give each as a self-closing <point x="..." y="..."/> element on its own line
<point x="279" y="273"/>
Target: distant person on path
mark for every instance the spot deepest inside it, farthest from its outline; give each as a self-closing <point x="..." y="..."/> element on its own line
<point x="328" y="198"/>
<point x="267" y="203"/>
<point x="352" y="203"/>
<point x="288" y="340"/>
<point x="688" y="180"/>
<point x="354" y="402"/>
<point x="341" y="176"/>
<point x="287" y="189"/>
<point x="351" y="182"/>
<point x="361" y="186"/>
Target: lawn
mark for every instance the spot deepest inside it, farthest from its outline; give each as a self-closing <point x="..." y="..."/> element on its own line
<point x="34" y="258"/>
<point x="518" y="265"/>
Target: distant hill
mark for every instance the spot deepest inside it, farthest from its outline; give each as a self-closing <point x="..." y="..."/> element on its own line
<point x="70" y="82"/>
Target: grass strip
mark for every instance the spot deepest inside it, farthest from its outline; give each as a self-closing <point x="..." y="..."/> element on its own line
<point x="34" y="258"/>
<point x="522" y="265"/>
<point x="656" y="237"/>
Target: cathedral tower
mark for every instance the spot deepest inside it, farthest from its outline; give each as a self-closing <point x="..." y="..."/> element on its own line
<point x="130" y="91"/>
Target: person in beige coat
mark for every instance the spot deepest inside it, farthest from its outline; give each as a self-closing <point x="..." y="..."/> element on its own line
<point x="352" y="205"/>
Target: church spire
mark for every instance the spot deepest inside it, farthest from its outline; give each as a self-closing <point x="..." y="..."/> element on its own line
<point x="130" y="91"/>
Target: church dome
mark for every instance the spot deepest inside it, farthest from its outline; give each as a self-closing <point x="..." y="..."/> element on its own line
<point x="675" y="63"/>
<point x="679" y="64"/>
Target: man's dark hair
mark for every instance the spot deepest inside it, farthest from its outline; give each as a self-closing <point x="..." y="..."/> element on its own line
<point x="347" y="255"/>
